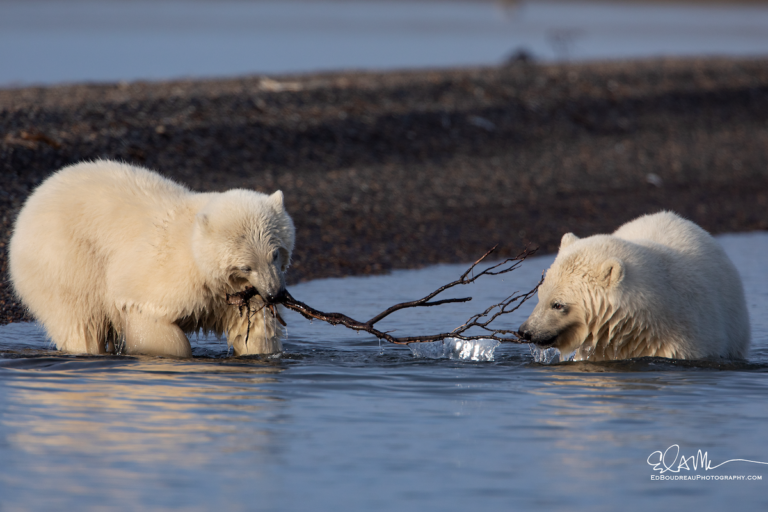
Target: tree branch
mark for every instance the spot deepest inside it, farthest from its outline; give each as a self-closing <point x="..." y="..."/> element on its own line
<point x="480" y="320"/>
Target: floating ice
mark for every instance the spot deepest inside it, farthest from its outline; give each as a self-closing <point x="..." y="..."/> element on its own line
<point x="451" y="348"/>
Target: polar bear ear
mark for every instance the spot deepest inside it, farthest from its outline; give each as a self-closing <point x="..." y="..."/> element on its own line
<point x="567" y="240"/>
<point x="277" y="200"/>
<point x="612" y="272"/>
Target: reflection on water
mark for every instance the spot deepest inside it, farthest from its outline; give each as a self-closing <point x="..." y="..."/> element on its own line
<point x="343" y="424"/>
<point x="148" y="411"/>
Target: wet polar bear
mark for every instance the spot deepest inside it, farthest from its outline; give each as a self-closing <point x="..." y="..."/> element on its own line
<point x="659" y="286"/>
<point x="104" y="251"/>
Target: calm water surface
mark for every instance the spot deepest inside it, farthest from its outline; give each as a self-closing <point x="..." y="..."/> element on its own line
<point x="340" y="423"/>
<point x="50" y="41"/>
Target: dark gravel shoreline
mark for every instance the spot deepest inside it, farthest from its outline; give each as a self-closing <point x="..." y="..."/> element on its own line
<point x="405" y="169"/>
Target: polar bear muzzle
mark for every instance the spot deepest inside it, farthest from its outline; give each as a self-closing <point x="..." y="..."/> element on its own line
<point x="271" y="290"/>
<point x="543" y="338"/>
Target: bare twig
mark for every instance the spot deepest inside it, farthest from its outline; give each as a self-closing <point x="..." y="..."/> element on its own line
<point x="480" y="320"/>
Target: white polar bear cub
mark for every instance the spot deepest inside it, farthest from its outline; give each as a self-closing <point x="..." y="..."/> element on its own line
<point x="104" y="251"/>
<point x="659" y="286"/>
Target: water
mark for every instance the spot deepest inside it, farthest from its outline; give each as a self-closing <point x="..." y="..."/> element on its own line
<point x="51" y="41"/>
<point x="464" y="350"/>
<point x="339" y="423"/>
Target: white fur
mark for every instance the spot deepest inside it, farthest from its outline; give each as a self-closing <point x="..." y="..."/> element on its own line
<point x="104" y="250"/>
<point x="659" y="286"/>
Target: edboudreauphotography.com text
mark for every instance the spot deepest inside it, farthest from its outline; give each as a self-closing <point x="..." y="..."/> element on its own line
<point x="673" y="464"/>
<point x="705" y="478"/>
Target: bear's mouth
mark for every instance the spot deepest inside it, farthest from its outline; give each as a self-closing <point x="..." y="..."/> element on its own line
<point x="543" y="341"/>
<point x="240" y="299"/>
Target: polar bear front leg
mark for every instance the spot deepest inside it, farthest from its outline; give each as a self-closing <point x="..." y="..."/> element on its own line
<point x="154" y="337"/>
<point x="263" y="338"/>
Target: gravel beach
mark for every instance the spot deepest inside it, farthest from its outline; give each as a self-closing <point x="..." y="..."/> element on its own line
<point x="405" y="169"/>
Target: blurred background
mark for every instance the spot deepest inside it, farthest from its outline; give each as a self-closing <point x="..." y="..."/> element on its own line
<point x="51" y="41"/>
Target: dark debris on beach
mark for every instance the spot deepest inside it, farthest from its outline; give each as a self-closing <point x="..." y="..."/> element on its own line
<point x="405" y="169"/>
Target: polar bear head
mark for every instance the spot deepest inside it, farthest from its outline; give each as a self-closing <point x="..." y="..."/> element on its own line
<point x="244" y="238"/>
<point x="594" y="297"/>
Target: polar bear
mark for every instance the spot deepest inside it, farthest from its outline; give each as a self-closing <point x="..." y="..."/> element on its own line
<point x="659" y="286"/>
<point x="109" y="256"/>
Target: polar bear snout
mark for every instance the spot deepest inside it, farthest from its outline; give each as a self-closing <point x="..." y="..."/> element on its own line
<point x="269" y="283"/>
<point x="535" y="336"/>
<point x="271" y="295"/>
<point x="276" y="298"/>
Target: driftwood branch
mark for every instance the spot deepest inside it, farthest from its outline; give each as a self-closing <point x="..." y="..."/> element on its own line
<point x="481" y="321"/>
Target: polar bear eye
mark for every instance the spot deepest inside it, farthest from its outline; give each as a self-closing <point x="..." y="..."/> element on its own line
<point x="245" y="269"/>
<point x="559" y="306"/>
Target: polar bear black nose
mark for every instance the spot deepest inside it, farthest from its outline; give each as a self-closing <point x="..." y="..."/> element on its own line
<point x="278" y="297"/>
<point x="524" y="333"/>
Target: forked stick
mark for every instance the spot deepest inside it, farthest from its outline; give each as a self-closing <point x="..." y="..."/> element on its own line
<point x="479" y="320"/>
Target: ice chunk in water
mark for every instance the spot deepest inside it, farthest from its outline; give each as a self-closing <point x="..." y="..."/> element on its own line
<point x="451" y="348"/>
